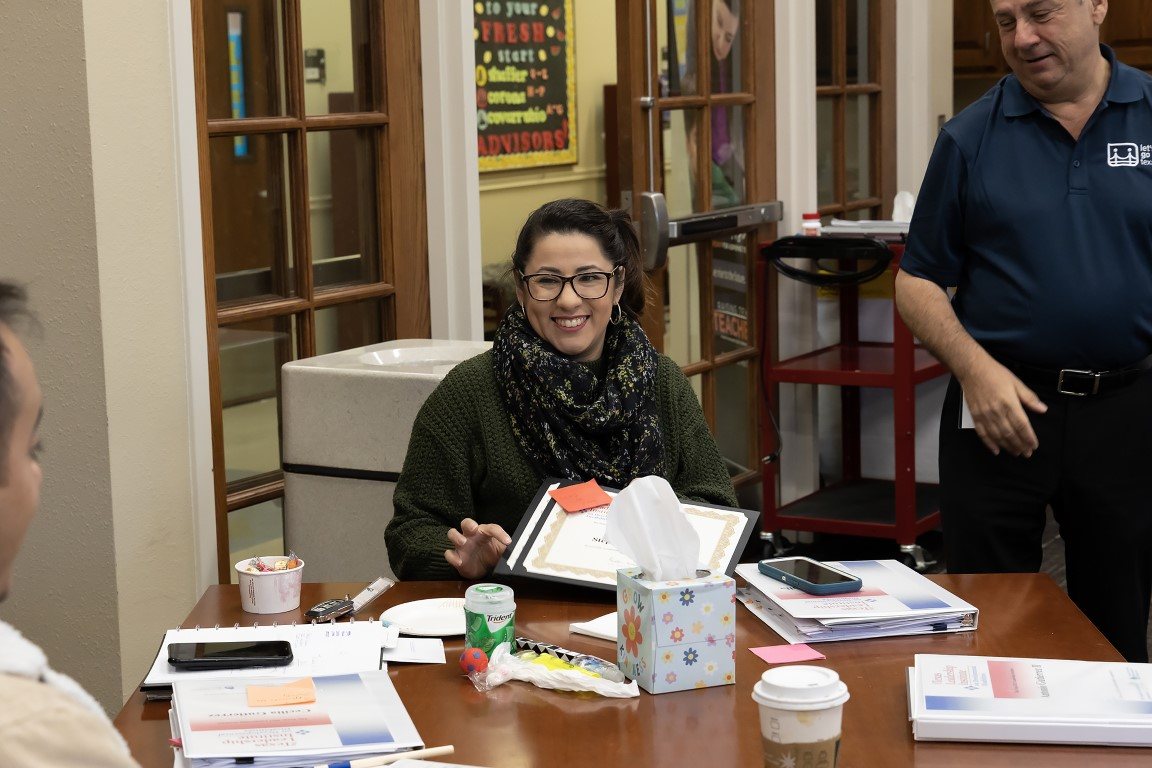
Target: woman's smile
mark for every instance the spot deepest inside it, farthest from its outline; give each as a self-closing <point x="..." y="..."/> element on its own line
<point x="571" y="323"/>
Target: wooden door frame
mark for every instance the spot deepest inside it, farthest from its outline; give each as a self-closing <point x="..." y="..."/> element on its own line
<point x="635" y="107"/>
<point x="401" y="208"/>
<point x="630" y="110"/>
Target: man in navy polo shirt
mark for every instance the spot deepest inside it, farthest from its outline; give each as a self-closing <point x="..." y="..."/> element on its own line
<point x="1037" y="207"/>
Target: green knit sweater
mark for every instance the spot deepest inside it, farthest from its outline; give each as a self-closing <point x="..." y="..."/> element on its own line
<point x="463" y="461"/>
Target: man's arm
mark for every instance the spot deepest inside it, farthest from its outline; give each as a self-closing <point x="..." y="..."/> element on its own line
<point x="995" y="396"/>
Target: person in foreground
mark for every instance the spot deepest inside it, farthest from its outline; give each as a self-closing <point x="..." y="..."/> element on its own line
<point x="571" y="388"/>
<point x="46" y="718"/>
<point x="1037" y="206"/>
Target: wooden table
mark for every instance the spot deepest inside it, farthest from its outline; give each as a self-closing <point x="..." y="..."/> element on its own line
<point x="518" y="725"/>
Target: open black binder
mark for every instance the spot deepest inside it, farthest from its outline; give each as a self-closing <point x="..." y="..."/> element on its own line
<point x="724" y="532"/>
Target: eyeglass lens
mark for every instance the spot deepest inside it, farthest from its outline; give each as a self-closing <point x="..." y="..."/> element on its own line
<point x="588" y="285"/>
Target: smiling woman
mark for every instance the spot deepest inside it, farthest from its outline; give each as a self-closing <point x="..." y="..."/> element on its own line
<point x="572" y="388"/>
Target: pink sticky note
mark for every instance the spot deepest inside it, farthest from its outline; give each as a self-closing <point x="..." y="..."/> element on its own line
<point x="787" y="654"/>
<point x="577" y="498"/>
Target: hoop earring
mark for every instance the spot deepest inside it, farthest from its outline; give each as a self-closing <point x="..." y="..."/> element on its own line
<point x="617" y="314"/>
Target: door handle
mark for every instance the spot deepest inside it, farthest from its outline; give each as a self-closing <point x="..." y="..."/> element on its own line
<point x="704" y="226"/>
<point x="653" y="230"/>
<point x="658" y="231"/>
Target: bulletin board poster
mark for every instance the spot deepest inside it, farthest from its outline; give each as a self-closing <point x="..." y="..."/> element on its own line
<point x="525" y="84"/>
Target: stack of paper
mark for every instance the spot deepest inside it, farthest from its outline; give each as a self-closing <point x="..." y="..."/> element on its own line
<point x="981" y="698"/>
<point x="278" y="723"/>
<point x="317" y="649"/>
<point x="894" y="600"/>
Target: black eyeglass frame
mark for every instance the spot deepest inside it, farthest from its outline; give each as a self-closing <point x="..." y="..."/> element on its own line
<point x="569" y="280"/>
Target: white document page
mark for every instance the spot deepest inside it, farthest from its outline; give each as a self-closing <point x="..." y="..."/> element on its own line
<point x="317" y="649"/>
<point x="603" y="627"/>
<point x="416" y="650"/>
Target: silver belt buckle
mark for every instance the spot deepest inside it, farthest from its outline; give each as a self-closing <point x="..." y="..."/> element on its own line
<point x="1060" y="382"/>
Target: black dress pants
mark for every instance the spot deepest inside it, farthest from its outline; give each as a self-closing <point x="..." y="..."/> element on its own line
<point x="1094" y="467"/>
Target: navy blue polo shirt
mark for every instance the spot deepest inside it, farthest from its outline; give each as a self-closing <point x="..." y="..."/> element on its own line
<point x="1047" y="240"/>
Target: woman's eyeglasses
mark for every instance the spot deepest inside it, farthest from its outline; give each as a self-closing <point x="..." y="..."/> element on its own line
<point x="544" y="286"/>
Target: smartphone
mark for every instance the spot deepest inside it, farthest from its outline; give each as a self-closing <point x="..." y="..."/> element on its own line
<point x="256" y="653"/>
<point x="809" y="575"/>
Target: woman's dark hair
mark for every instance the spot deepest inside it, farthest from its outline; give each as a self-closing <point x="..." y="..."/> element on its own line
<point x="11" y="307"/>
<point x="611" y="229"/>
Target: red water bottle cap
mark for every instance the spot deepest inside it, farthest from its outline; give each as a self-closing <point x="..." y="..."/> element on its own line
<point x="810" y="216"/>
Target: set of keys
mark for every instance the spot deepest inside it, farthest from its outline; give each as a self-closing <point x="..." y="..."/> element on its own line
<point x="329" y="610"/>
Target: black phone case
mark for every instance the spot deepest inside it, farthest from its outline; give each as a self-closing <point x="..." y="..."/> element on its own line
<point x="230" y="662"/>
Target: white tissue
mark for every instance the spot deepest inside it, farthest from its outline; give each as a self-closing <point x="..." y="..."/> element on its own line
<point x="902" y="205"/>
<point x="647" y="525"/>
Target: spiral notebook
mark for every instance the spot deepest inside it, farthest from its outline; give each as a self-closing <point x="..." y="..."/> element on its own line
<point x="317" y="649"/>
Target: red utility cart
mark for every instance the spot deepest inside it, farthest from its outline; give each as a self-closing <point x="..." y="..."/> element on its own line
<point x="899" y="509"/>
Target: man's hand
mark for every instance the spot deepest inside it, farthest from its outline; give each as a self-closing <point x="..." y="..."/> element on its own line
<point x="997" y="400"/>
<point x="476" y="548"/>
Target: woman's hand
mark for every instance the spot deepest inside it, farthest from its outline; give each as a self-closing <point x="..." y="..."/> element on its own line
<point x="476" y="548"/>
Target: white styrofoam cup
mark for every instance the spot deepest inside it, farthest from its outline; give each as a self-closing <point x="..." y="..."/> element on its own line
<point x="269" y="591"/>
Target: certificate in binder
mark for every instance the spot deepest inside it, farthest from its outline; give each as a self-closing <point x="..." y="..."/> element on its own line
<point x="570" y="547"/>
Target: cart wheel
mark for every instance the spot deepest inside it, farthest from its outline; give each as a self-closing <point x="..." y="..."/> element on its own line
<point x="776" y="545"/>
<point x="916" y="557"/>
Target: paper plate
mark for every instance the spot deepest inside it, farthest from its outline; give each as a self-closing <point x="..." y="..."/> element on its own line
<point x="436" y="617"/>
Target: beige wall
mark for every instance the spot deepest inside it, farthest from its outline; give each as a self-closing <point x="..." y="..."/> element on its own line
<point x="507" y="197"/>
<point x="327" y="26"/>
<point x="87" y="208"/>
<point x="47" y="216"/>
<point x="924" y="93"/>
<point x="146" y="359"/>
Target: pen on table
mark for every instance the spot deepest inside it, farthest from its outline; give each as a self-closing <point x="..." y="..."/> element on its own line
<point x="372" y="762"/>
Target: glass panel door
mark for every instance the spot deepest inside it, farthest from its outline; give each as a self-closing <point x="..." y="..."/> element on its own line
<point x="703" y="139"/>
<point x="314" y="238"/>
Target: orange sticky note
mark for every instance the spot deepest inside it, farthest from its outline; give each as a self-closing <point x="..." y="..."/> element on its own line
<point x="301" y="691"/>
<point x="582" y="496"/>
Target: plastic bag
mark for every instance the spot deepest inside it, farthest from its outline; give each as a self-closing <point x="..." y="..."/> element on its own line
<point x="548" y="672"/>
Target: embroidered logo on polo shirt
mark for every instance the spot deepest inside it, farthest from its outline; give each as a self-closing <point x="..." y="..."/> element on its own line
<point x="1128" y="154"/>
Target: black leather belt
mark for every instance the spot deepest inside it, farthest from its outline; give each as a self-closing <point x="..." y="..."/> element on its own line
<point x="1078" y="382"/>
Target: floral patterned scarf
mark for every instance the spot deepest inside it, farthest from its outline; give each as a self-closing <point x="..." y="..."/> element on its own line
<point x="579" y="421"/>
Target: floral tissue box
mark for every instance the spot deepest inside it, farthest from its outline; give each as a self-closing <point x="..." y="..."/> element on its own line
<point x="675" y="635"/>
